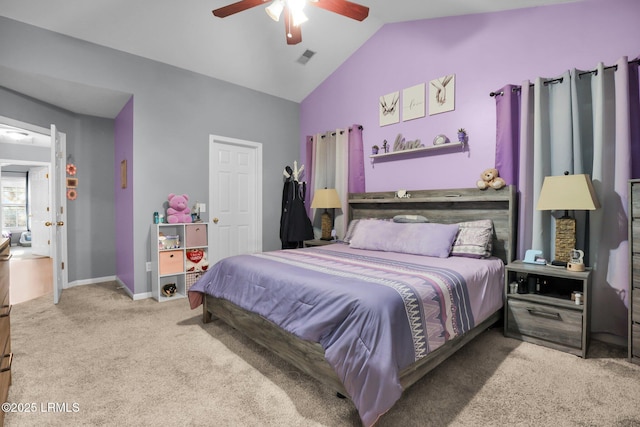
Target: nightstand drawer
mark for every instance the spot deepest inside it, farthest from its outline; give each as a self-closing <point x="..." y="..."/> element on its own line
<point x="5" y="376"/>
<point x="5" y="329"/>
<point x="555" y="324"/>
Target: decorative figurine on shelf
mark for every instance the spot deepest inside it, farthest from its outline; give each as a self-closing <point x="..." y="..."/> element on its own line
<point x="401" y="144"/>
<point x="385" y="146"/>
<point x="178" y="211"/>
<point x="462" y="135"/>
<point x="374" y="149"/>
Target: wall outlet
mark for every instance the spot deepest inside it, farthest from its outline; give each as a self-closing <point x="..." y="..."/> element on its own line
<point x="148" y="265"/>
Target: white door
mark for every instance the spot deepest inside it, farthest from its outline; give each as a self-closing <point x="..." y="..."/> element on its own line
<point x="235" y="197"/>
<point x="40" y="211"/>
<point x="59" y="212"/>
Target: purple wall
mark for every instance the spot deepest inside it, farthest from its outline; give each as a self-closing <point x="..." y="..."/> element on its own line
<point x="485" y="52"/>
<point x="124" y="196"/>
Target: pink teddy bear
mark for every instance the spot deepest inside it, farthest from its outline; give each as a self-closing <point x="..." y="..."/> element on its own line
<point x="178" y="211"/>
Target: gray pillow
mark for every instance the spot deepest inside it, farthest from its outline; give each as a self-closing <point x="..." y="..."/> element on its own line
<point x="409" y="218"/>
<point x="474" y="240"/>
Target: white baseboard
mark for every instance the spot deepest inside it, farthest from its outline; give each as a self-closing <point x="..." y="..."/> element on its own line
<point x="133" y="296"/>
<point x="91" y="281"/>
<point x="120" y="283"/>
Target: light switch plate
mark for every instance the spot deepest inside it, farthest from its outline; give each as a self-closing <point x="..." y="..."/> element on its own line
<point x="202" y="207"/>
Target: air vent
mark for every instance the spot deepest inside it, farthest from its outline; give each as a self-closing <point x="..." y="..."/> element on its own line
<point x="305" y="57"/>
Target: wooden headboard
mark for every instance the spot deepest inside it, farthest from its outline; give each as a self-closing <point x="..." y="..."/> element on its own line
<point x="446" y="207"/>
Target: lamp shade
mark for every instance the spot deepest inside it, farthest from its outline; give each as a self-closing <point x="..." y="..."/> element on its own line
<point x="326" y="198"/>
<point x="568" y="193"/>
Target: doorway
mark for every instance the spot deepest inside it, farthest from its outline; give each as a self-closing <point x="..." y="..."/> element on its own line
<point x="31" y="263"/>
<point x="31" y="266"/>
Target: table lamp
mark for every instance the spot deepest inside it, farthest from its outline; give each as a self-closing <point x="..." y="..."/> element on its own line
<point x="568" y="193"/>
<point x="326" y="198"/>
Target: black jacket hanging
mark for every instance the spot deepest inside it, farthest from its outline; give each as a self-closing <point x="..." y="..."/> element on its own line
<point x="295" y="225"/>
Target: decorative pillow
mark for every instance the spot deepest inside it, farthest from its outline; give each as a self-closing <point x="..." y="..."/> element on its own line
<point x="352" y="227"/>
<point x="420" y="239"/>
<point x="409" y="218"/>
<point x="474" y="240"/>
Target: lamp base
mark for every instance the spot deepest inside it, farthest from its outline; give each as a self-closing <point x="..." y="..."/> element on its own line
<point x="326" y="226"/>
<point x="565" y="238"/>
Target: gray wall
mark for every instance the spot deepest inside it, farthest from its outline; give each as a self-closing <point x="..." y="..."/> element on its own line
<point x="21" y="152"/>
<point x="175" y="111"/>
<point x="91" y="240"/>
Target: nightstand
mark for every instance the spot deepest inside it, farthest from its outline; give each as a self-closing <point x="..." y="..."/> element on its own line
<point x="317" y="242"/>
<point x="548" y="316"/>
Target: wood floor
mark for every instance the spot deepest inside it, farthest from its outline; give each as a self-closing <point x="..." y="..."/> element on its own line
<point x="31" y="277"/>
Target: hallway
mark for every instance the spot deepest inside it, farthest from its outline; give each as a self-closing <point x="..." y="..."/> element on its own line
<point x="31" y="277"/>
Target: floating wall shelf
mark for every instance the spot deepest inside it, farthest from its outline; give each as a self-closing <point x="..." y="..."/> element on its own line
<point x="418" y="150"/>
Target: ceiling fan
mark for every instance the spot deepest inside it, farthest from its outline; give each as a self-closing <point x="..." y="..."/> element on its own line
<point x="293" y="12"/>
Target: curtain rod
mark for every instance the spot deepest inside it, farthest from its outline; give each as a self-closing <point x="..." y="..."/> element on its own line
<point x="517" y="88"/>
<point x="341" y="132"/>
<point x="559" y="80"/>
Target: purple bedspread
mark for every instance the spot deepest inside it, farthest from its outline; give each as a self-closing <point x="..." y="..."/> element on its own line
<point x="374" y="313"/>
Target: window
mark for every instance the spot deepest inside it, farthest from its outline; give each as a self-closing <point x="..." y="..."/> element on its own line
<point x="14" y="202"/>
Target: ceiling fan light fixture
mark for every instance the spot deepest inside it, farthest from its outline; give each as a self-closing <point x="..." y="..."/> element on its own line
<point x="274" y="10"/>
<point x="296" y="4"/>
<point x="298" y="17"/>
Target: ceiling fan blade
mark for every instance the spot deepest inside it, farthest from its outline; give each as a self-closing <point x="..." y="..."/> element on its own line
<point x="293" y="33"/>
<point x="344" y="8"/>
<point x="240" y="6"/>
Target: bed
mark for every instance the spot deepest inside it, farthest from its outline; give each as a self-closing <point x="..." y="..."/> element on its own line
<point x="370" y="323"/>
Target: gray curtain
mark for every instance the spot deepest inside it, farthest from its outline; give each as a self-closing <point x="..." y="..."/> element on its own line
<point x="580" y="122"/>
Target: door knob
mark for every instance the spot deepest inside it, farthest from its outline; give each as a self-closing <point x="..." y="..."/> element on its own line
<point x="48" y="224"/>
<point x="60" y="223"/>
<point x="215" y="220"/>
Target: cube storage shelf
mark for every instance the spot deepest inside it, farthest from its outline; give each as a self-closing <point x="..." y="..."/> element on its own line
<point x="169" y="246"/>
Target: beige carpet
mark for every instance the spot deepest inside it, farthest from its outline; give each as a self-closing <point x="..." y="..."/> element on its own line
<point x="107" y="360"/>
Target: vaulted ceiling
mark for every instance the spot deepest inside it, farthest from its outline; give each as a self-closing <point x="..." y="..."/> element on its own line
<point x="248" y="48"/>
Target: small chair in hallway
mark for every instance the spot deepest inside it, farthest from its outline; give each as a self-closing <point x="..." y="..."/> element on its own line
<point x="25" y="238"/>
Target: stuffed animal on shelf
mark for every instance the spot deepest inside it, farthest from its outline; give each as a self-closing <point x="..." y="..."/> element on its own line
<point x="490" y="178"/>
<point x="178" y="210"/>
<point x="197" y="260"/>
